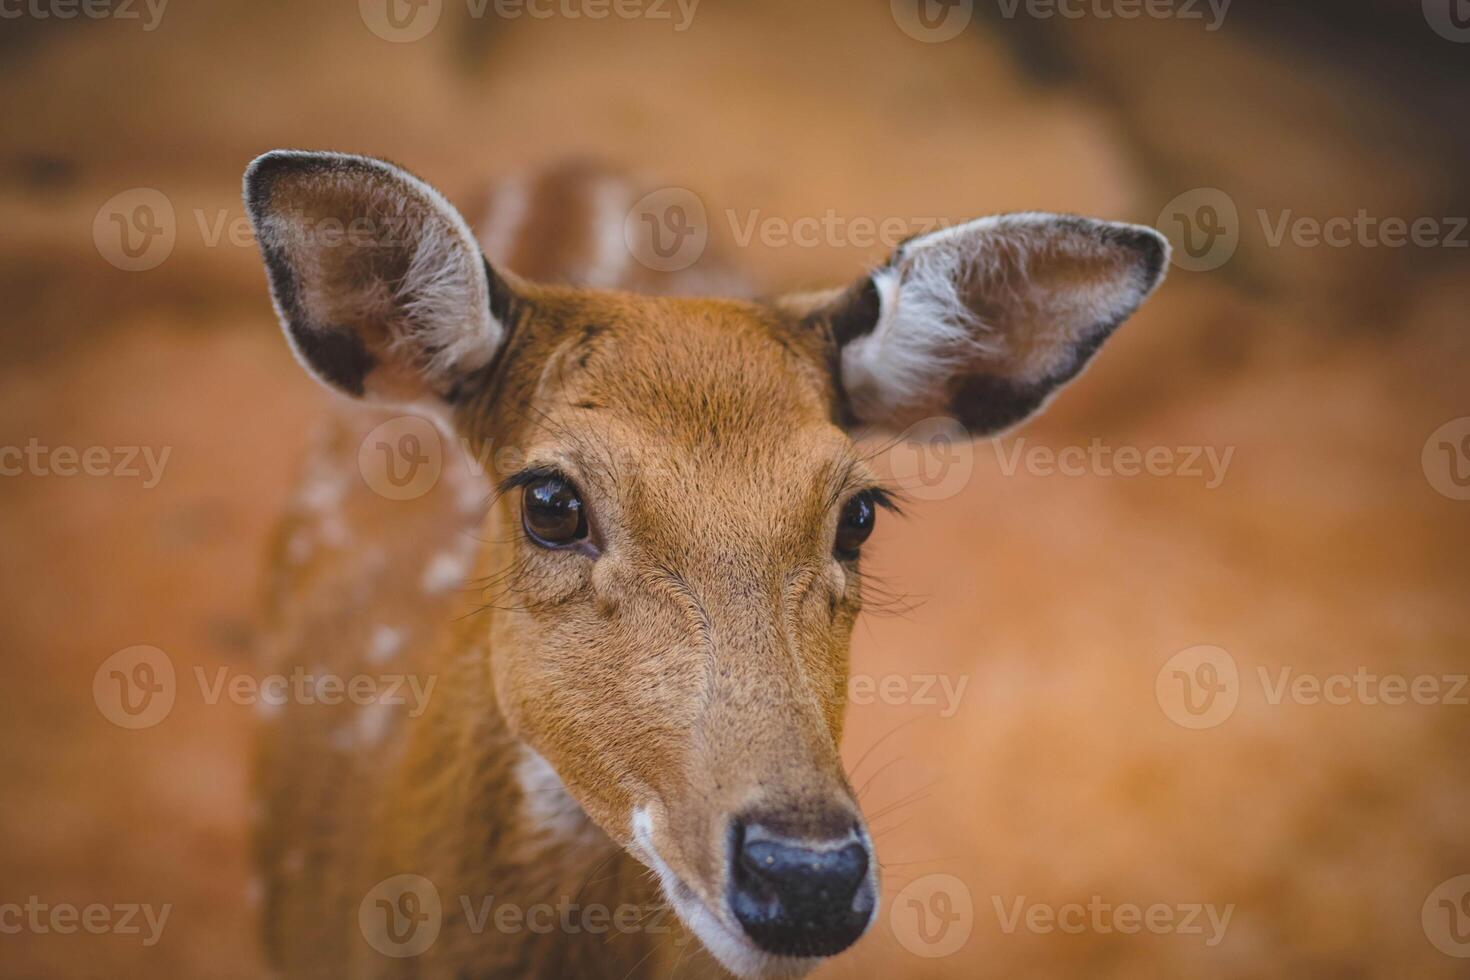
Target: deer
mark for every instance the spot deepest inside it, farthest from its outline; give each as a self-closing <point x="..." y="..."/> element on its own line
<point x="631" y="620"/>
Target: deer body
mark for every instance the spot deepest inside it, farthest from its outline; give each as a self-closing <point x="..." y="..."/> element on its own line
<point x="623" y="643"/>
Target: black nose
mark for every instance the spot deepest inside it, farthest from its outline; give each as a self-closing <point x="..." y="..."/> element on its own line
<point x="800" y="898"/>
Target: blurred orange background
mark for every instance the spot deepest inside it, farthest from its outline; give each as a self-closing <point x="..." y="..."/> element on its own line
<point x="1334" y="543"/>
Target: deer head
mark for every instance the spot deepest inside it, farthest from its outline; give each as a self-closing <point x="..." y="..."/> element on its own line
<point x="682" y="528"/>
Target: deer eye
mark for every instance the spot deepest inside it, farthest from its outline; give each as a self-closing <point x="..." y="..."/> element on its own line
<point x="552" y="513"/>
<point x="854" y="525"/>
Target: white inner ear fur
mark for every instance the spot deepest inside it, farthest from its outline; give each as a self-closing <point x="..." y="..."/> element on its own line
<point x="1037" y="309"/>
<point x="446" y="296"/>
<point x="924" y="334"/>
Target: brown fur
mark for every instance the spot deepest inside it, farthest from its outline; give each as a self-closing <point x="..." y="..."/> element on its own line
<point x="694" y="673"/>
<point x="601" y="671"/>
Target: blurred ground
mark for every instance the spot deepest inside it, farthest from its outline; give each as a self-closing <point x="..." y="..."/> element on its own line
<point x="1061" y="776"/>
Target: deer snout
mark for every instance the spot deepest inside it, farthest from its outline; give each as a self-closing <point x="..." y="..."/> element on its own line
<point x="799" y="896"/>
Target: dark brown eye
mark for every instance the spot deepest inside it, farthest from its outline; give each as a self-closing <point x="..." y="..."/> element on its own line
<point x="552" y="513"/>
<point x="855" y="524"/>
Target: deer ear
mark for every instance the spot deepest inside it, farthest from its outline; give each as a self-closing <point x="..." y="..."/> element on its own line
<point x="380" y="287"/>
<point x="983" y="322"/>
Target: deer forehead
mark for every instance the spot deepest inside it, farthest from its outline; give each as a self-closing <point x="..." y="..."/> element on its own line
<point x="695" y="370"/>
<point x="708" y="384"/>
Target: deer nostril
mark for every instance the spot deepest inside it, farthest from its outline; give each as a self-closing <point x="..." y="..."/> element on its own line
<point x="800" y="898"/>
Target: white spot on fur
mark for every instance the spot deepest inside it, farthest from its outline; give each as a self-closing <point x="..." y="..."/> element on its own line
<point x="384" y="643"/>
<point x="299" y="547"/>
<point x="548" y="805"/>
<point x="445" y="571"/>
<point x="322" y="492"/>
<point x="374" y="720"/>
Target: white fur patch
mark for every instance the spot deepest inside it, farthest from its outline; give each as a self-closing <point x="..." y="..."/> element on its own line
<point x="299" y="547"/>
<point x="445" y="571"/>
<point x="725" y="942"/>
<point x="445" y="293"/>
<point x="374" y="721"/>
<point x="924" y="333"/>
<point x="548" y="805"/>
<point x="384" y="643"/>
<point x="927" y="329"/>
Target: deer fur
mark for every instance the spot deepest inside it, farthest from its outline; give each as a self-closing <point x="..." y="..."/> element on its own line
<point x="592" y="722"/>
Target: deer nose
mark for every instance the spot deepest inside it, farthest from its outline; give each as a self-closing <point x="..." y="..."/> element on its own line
<point x="800" y="897"/>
